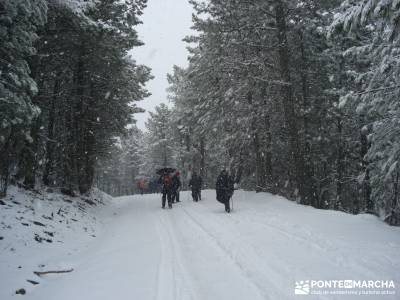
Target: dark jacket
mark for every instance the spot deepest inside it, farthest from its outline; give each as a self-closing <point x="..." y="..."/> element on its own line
<point x="176" y="183"/>
<point x="224" y="187"/>
<point x="196" y="182"/>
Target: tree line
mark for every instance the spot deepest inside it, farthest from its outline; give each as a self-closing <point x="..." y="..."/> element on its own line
<point x="298" y="98"/>
<point x="67" y="88"/>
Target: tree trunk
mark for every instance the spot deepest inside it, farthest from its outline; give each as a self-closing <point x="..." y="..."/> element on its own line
<point x="395" y="214"/>
<point x="259" y="163"/>
<point x="306" y="192"/>
<point x="73" y="159"/>
<point x="339" y="166"/>
<point x="50" y="143"/>
<point x="202" y="158"/>
<point x="29" y="159"/>
<point x="87" y="146"/>
<point x="269" y="175"/>
<point x="79" y="122"/>
<point x="5" y="161"/>
<point x="366" y="187"/>
<point x="306" y="95"/>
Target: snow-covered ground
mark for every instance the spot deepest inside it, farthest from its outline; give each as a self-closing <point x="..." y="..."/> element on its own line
<point x="196" y="250"/>
<point x="44" y="232"/>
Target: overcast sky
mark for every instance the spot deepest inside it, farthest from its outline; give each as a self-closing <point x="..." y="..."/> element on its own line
<point x="165" y="24"/>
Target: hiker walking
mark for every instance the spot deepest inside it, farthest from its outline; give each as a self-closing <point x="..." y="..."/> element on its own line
<point x="225" y="188"/>
<point x="176" y="184"/>
<point x="195" y="184"/>
<point x="166" y="182"/>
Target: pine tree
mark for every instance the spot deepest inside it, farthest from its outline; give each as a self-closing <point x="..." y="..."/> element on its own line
<point x="86" y="88"/>
<point x="19" y="22"/>
<point x="376" y="97"/>
<point x="160" y="150"/>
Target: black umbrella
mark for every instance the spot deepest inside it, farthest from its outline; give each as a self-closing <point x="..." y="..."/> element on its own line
<point x="165" y="171"/>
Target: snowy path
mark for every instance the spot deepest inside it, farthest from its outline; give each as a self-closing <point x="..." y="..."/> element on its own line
<point x="196" y="251"/>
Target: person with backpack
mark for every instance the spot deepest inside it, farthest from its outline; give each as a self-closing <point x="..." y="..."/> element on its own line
<point x="224" y="188"/>
<point x="195" y="184"/>
<point x="176" y="184"/>
<point x="166" y="182"/>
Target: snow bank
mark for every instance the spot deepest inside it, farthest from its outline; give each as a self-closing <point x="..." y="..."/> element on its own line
<point x="260" y="251"/>
<point x="41" y="231"/>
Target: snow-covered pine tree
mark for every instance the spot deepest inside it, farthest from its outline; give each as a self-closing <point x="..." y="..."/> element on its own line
<point x="160" y="151"/>
<point x="87" y="87"/>
<point x="377" y="96"/>
<point x="234" y="93"/>
<point x="118" y="172"/>
<point x="19" y="22"/>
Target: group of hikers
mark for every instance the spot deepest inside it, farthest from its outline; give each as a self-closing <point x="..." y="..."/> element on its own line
<point x="171" y="185"/>
<point x="170" y="188"/>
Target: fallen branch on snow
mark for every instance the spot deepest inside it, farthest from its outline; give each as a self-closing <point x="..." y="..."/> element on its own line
<point x="52" y="272"/>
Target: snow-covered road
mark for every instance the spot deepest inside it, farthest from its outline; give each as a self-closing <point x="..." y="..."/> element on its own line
<point x="197" y="251"/>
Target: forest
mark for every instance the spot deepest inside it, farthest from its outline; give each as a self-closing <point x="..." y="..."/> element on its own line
<point x="296" y="98"/>
<point x="67" y="88"/>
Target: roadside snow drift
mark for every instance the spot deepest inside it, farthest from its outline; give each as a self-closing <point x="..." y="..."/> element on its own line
<point x="267" y="248"/>
<point x="41" y="232"/>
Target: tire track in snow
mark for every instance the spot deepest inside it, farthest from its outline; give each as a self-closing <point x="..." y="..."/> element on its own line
<point x="339" y="259"/>
<point x="264" y="290"/>
<point x="161" y="265"/>
<point x="186" y="288"/>
<point x="165" y="278"/>
<point x="213" y="273"/>
<point x="173" y="282"/>
<point x="253" y="269"/>
<point x="313" y="241"/>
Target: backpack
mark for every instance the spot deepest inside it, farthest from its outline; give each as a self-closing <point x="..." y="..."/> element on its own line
<point x="167" y="181"/>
